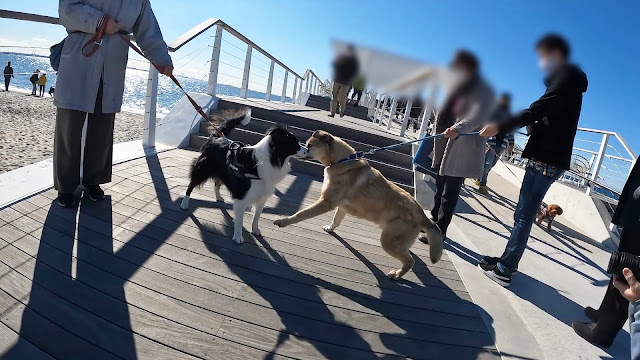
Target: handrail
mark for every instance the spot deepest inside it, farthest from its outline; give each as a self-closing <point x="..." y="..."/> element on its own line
<point x="17" y="15"/>
<point x="185" y="38"/>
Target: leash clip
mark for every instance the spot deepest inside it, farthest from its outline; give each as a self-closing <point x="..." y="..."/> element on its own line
<point x="99" y="43"/>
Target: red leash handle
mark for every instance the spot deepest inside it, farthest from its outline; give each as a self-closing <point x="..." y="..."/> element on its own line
<point x="97" y="39"/>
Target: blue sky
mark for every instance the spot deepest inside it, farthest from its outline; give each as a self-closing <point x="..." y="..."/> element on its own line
<point x="605" y="36"/>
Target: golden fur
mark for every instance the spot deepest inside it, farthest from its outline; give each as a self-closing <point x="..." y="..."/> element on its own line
<point x="357" y="189"/>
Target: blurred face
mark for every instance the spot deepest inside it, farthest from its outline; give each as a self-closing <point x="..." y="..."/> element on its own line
<point x="462" y="70"/>
<point x="549" y="60"/>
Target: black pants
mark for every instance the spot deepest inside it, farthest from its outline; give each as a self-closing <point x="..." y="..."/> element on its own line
<point x="357" y="93"/>
<point x="67" y="147"/>
<point x="614" y="309"/>
<point x="445" y="200"/>
<point x="7" y="80"/>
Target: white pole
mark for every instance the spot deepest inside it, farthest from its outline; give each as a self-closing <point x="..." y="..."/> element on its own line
<point x="215" y="62"/>
<point x="598" y="163"/>
<point x="267" y="96"/>
<point x="284" y="87"/>
<point x="306" y="83"/>
<point x="149" y="123"/>
<point x="295" y="88"/>
<point x="383" y="105"/>
<point x="392" y="112"/>
<point x="428" y="110"/>
<point x="245" y="74"/>
<point x="299" y="92"/>
<point x="405" y="121"/>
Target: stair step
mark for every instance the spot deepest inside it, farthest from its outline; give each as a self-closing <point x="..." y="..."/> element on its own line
<point x="281" y="117"/>
<point x="394" y="173"/>
<point x="391" y="157"/>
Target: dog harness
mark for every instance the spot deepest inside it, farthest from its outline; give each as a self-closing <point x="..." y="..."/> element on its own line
<point x="240" y="163"/>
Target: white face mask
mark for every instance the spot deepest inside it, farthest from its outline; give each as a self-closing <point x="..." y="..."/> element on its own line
<point x="547" y="65"/>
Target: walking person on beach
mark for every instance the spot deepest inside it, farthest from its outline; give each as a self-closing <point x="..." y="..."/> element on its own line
<point x="34" y="82"/>
<point x="553" y="120"/>
<point x="497" y="144"/>
<point x="455" y="158"/>
<point x="345" y="68"/>
<point x="8" y="74"/>
<point x="42" y="81"/>
<point x="91" y="87"/>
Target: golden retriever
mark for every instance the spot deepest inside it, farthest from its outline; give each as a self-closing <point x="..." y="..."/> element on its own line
<point x="357" y="189"/>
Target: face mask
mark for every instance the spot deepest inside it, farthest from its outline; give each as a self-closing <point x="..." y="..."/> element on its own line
<point x="547" y="65"/>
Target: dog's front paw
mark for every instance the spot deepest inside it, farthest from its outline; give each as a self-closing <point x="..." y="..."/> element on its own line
<point x="327" y="228"/>
<point x="256" y="232"/>
<point x="219" y="199"/>
<point x="281" y="222"/>
<point x="238" y="238"/>
<point x="393" y="274"/>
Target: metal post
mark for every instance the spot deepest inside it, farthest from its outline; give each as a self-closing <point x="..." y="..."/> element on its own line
<point x="405" y="120"/>
<point x="267" y="95"/>
<point x="245" y="74"/>
<point x="215" y="62"/>
<point x="427" y="111"/>
<point x="300" y="92"/>
<point x="394" y="104"/>
<point x="295" y="88"/>
<point x="284" y="87"/>
<point x="149" y="123"/>
<point x="383" y="105"/>
<point x="306" y="83"/>
<point x="598" y="163"/>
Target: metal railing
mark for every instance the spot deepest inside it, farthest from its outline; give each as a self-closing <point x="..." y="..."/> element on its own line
<point x="310" y="80"/>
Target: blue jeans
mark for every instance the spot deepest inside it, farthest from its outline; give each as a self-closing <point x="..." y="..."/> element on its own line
<point x="490" y="160"/>
<point x="537" y="180"/>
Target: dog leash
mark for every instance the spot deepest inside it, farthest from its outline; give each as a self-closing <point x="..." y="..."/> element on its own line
<point x="97" y="42"/>
<point x="362" y="154"/>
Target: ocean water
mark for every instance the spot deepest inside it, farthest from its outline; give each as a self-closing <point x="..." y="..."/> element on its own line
<point x="135" y="83"/>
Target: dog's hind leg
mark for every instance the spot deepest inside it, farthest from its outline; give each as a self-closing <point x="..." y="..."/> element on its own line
<point x="338" y="216"/>
<point x="239" y="207"/>
<point x="397" y="243"/>
<point x="256" y="216"/>
<point x="216" y="188"/>
<point x="198" y="176"/>
<point x="549" y="225"/>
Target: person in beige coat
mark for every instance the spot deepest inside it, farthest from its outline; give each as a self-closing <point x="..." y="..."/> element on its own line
<point x="455" y="158"/>
<point x="91" y="87"/>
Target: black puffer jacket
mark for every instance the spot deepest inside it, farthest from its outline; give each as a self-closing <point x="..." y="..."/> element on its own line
<point x="554" y="118"/>
<point x="345" y="69"/>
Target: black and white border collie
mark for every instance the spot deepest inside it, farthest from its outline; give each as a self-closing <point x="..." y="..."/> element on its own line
<point x="268" y="160"/>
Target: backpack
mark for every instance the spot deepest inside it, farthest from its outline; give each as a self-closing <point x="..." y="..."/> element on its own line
<point x="56" y="52"/>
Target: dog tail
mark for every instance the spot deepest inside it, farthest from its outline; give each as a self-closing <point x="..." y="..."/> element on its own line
<point x="435" y="238"/>
<point x="230" y="120"/>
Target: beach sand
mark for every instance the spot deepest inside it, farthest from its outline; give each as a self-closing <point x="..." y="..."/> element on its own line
<point x="27" y="126"/>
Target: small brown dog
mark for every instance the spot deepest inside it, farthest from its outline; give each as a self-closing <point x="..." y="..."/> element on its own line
<point x="548" y="213"/>
<point x="357" y="189"/>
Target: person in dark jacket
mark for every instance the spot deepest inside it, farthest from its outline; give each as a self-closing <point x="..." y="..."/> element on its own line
<point x="496" y="144"/>
<point x="34" y="82"/>
<point x="345" y="69"/>
<point x="609" y="319"/>
<point x="8" y="74"/>
<point x="553" y="120"/>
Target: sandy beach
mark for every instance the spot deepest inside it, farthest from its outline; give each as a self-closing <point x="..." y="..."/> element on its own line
<point x="27" y="126"/>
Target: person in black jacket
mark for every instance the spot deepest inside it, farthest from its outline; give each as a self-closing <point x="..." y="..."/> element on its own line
<point x="34" y="81"/>
<point x="609" y="319"/>
<point x="8" y="74"/>
<point x="345" y="69"/>
<point x="553" y="120"/>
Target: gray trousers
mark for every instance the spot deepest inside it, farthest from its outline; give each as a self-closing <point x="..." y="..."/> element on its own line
<point x="67" y="147"/>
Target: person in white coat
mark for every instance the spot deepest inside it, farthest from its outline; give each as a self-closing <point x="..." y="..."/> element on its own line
<point x="92" y="87"/>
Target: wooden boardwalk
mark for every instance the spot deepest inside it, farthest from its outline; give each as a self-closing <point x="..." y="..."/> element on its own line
<point x="135" y="277"/>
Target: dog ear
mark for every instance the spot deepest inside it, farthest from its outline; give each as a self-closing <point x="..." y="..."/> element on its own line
<point x="323" y="136"/>
<point x="559" y="210"/>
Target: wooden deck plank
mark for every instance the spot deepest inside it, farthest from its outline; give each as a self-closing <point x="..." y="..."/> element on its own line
<point x="186" y="287"/>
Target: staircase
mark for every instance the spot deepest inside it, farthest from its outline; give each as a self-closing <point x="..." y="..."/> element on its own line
<point x="394" y="165"/>
<point x="323" y="103"/>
